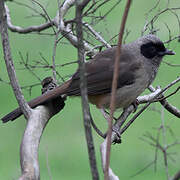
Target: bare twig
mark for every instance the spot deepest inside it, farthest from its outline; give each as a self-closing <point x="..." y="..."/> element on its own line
<point x="114" y="87"/>
<point x="147" y="105"/>
<point x="9" y="63"/>
<point x="46" y="14"/>
<point x="173" y="65"/>
<point x="155" y="17"/>
<point x="97" y="130"/>
<point x="172" y="39"/>
<point x="54" y="54"/>
<point x="97" y="5"/>
<point x="30" y="87"/>
<point x="29" y="29"/>
<point x="54" y="48"/>
<point x="66" y="31"/>
<point x="171" y="94"/>
<point x="162" y="146"/>
<point x="103" y="149"/>
<point x="37" y="119"/>
<point x="25" y="63"/>
<point x="31" y="8"/>
<point x="172" y="109"/>
<point x="148" y="99"/>
<point x="143" y="169"/>
<point x="47" y="164"/>
<point x="80" y="5"/>
<point x="65" y="27"/>
<point x="164" y="143"/>
<point x="97" y="35"/>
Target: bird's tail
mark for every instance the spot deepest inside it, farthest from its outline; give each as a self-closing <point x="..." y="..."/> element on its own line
<point x="50" y="95"/>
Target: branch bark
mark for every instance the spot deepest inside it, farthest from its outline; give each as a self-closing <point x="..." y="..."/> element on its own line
<point x="142" y="99"/>
<point x="83" y="86"/>
<point x="34" y="130"/>
<point x="37" y="118"/>
<point x="172" y="109"/>
<point x="114" y="88"/>
<point x="30" y="143"/>
<point x="29" y="29"/>
<point x="9" y="63"/>
<point x="118" y="126"/>
<point x="66" y="31"/>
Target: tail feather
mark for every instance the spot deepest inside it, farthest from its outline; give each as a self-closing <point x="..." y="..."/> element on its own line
<point x="50" y="95"/>
<point x="12" y="115"/>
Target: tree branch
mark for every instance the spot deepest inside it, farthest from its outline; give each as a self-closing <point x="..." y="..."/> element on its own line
<point x="130" y="109"/>
<point x="83" y="86"/>
<point x="9" y="63"/>
<point x="30" y="143"/>
<point x="97" y="35"/>
<point x="29" y="29"/>
<point x="66" y="31"/>
<point x="34" y="130"/>
<point x="114" y="88"/>
<point x="172" y="109"/>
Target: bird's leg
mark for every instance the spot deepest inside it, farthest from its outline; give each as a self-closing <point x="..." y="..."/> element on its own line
<point x="135" y="104"/>
<point x="116" y="131"/>
<point x="106" y="115"/>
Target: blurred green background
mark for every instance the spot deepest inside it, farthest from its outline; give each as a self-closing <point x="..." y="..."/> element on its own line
<point x="63" y="152"/>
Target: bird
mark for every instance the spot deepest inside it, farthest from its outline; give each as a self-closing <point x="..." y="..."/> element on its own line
<point x="138" y="67"/>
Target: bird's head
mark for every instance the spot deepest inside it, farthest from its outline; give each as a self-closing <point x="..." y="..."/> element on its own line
<point x="151" y="47"/>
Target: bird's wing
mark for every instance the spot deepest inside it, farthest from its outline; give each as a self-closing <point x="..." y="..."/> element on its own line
<point x="99" y="73"/>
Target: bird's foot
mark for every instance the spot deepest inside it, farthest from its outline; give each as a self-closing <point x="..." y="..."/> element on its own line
<point x="135" y="104"/>
<point x="117" y="139"/>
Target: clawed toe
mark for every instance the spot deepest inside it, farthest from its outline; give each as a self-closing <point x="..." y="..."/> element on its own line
<point x="135" y="104"/>
<point x="117" y="139"/>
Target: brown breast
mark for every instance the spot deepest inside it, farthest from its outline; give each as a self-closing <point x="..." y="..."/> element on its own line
<point x="100" y="101"/>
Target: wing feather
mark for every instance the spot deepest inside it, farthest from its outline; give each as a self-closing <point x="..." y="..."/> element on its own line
<point x="99" y="73"/>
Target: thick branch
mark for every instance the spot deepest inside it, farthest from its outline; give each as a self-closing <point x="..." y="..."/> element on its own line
<point x="58" y="21"/>
<point x="34" y="130"/>
<point x="66" y="31"/>
<point x="31" y="139"/>
<point x="103" y="150"/>
<point x="30" y="143"/>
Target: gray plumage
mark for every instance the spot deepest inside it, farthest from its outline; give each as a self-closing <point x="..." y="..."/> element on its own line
<point x="136" y="72"/>
<point x="139" y="63"/>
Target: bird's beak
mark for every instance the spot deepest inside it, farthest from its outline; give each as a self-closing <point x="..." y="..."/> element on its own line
<point x="167" y="52"/>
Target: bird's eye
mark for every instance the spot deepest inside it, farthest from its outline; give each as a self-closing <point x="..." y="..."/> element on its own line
<point x="152" y="50"/>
